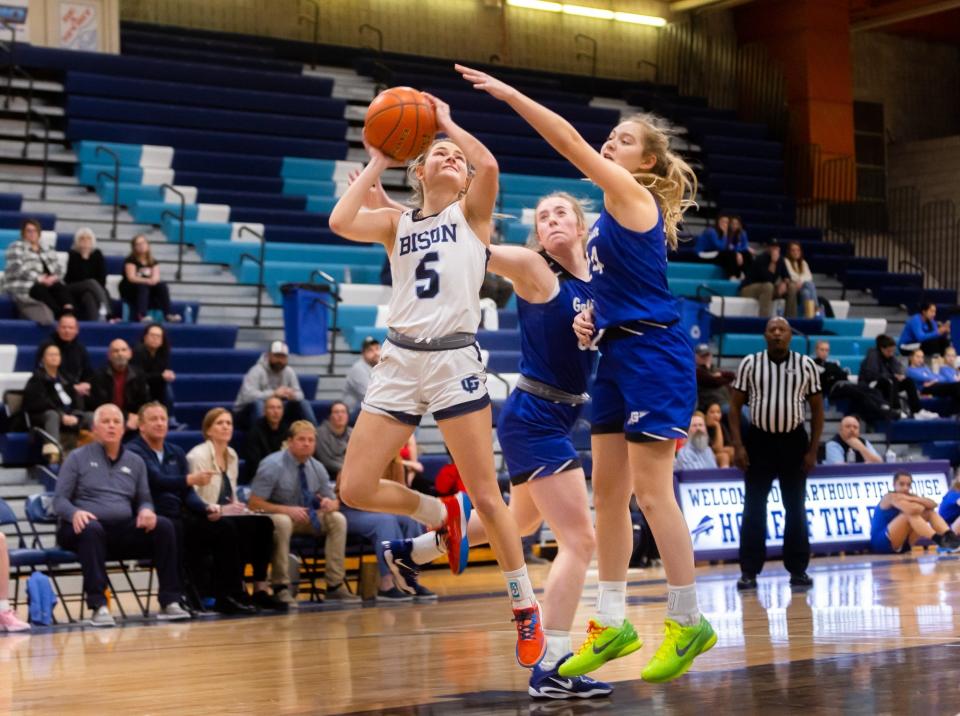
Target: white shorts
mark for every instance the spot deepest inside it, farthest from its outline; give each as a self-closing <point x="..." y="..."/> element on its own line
<point x="406" y="384"/>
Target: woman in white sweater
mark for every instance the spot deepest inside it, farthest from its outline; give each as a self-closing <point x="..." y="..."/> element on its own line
<point x="802" y="279"/>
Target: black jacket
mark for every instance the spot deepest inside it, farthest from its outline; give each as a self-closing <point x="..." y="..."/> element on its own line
<point x="41" y="395"/>
<point x="261" y="440"/>
<point x="831" y="374"/>
<point x="875" y="367"/>
<point x="759" y="271"/>
<point x="135" y="391"/>
<point x="80" y="269"/>
<point x="74" y="362"/>
<point x="152" y="367"/>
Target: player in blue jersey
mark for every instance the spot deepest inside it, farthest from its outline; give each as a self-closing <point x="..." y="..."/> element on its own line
<point x="534" y="427"/>
<point x="645" y="391"/>
<point x="901" y="518"/>
<point x="950" y="506"/>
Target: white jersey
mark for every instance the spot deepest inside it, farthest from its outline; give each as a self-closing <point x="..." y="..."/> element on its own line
<point x="438" y="265"/>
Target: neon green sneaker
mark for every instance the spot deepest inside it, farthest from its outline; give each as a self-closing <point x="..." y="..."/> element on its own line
<point x="601" y="645"/>
<point x="681" y="645"/>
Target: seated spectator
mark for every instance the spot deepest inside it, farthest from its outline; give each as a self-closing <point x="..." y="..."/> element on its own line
<point x="74" y="360"/>
<point x="732" y="248"/>
<point x="696" y="454"/>
<point x="141" y="288"/>
<point x="152" y="358"/>
<point x="922" y="331"/>
<point x="848" y="446"/>
<point x="902" y="518"/>
<point x="103" y="501"/>
<point x="265" y="437"/>
<point x="33" y="273"/>
<point x="87" y="274"/>
<point x="232" y="531"/>
<point x="835" y="380"/>
<point x="950" y="506"/>
<point x="948" y="370"/>
<point x="295" y="490"/>
<point x="120" y="383"/>
<point x="358" y="377"/>
<point x="882" y="370"/>
<point x="930" y="383"/>
<point x="271" y="376"/>
<point x="713" y="239"/>
<point x="52" y="403"/>
<point x="719" y="436"/>
<point x="767" y="279"/>
<point x="412" y="467"/>
<point x="712" y="385"/>
<point x="8" y="618"/>
<point x="801" y="280"/>
<point x="333" y="434"/>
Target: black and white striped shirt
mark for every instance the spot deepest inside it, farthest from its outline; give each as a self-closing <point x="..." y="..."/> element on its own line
<point x="776" y="392"/>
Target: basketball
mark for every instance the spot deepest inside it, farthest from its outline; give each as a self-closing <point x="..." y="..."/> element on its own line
<point x="400" y="122"/>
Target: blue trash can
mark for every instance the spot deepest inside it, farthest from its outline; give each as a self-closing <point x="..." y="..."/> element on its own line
<point x="305" y="307"/>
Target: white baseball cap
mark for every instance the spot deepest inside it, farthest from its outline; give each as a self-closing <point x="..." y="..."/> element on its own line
<point x="279" y="348"/>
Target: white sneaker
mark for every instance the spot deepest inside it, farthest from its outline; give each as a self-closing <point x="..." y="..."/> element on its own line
<point x="173" y="612"/>
<point x="102" y="618"/>
<point x="925" y="415"/>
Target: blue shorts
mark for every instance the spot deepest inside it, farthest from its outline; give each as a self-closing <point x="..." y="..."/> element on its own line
<point x="646" y="386"/>
<point x="534" y="437"/>
<point x="880" y="544"/>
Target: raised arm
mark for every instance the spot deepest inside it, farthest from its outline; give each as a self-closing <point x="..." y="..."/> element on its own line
<point x="532" y="278"/>
<point x="351" y="221"/>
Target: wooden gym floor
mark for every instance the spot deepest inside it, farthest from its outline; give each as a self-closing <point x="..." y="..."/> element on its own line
<point x="873" y="636"/>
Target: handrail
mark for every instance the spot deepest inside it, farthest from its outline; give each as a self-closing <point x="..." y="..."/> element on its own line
<point x="335" y="293"/>
<point x="261" y="261"/>
<point x="30" y="111"/>
<point x="182" y="218"/>
<point x="374" y="29"/>
<point x="116" y="183"/>
<point x="315" y="20"/>
<point x="723" y="312"/>
<point x="45" y="121"/>
<point x="909" y="264"/>
<point x="13" y="43"/>
<point x="501" y="379"/>
<point x="656" y="70"/>
<point x="592" y="56"/>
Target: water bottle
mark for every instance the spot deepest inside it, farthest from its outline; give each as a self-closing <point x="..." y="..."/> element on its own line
<point x="102" y="312"/>
<point x="188" y="314"/>
<point x="890" y="455"/>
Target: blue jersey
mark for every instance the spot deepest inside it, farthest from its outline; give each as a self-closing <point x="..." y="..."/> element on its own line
<point x="629" y="274"/>
<point x="950" y="506"/>
<point x="548" y="345"/>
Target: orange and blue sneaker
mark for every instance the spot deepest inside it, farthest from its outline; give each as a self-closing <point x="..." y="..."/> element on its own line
<point x="681" y="645"/>
<point x="531" y="641"/>
<point x="602" y="644"/>
<point x="455" y="530"/>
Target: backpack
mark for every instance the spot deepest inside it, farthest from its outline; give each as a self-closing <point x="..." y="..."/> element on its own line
<point x="41" y="599"/>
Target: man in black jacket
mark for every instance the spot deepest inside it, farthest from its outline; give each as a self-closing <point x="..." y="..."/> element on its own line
<point x="863" y="400"/>
<point x="120" y="383"/>
<point x="75" y="365"/>
<point x="265" y="437"/>
<point x="882" y="370"/>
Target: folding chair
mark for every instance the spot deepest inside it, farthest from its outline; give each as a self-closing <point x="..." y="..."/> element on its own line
<point x="21" y="556"/>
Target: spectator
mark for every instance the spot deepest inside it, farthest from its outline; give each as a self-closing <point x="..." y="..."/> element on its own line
<point x="863" y="400"/>
<point x="948" y="371"/>
<point x="103" y="502"/>
<point x="333" y="434"/>
<point x="295" y="490"/>
<point x="271" y="376"/>
<point x="901" y="518"/>
<point x="712" y="385"/>
<point x="230" y="527"/>
<point x="766" y="280"/>
<point x="8" y="618"/>
<point x="152" y="358"/>
<point x="120" y="383"/>
<point x="801" y="280"/>
<point x="922" y="331"/>
<point x="719" y="436"/>
<point x="359" y="374"/>
<point x="848" y="446"/>
<point x="87" y="274"/>
<point x="882" y="370"/>
<point x="52" y="403"/>
<point x="412" y="467"/>
<point x="930" y="383"/>
<point x="732" y="249"/>
<point x="950" y="506"/>
<point x="264" y="438"/>
<point x="141" y="287"/>
<point x="33" y="273"/>
<point x="75" y="365"/>
<point x="696" y="454"/>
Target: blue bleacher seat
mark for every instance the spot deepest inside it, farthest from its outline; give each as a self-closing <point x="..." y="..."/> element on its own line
<point x="100" y="334"/>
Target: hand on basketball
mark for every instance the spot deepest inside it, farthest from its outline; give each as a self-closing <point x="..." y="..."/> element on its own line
<point x="441" y="110"/>
<point x="583" y="327"/>
<point x="379" y="157"/>
<point x="482" y="81"/>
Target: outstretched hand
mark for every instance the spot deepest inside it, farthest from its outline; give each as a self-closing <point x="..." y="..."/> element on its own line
<point x="482" y="81"/>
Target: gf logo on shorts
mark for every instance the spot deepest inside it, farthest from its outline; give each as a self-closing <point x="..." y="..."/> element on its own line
<point x="636" y="416"/>
<point x="470" y="383"/>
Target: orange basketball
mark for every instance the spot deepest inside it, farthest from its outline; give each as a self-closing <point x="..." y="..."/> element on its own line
<point x="400" y="123"/>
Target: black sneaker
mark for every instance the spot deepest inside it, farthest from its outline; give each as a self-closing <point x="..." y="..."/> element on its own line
<point x="393" y="595"/>
<point x="269" y="602"/>
<point x="746" y="582"/>
<point x="801" y="580"/>
<point x="232" y="605"/>
<point x="949" y="542"/>
<point x="422" y="594"/>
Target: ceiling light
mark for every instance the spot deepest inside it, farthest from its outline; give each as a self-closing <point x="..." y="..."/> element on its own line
<point x="588" y="11"/>
<point x="536" y="5"/>
<point x="640" y="19"/>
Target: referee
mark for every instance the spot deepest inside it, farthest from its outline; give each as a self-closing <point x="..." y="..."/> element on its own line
<point x="775" y="383"/>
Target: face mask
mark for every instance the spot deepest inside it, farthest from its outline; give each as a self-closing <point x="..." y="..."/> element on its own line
<point x="700" y="441"/>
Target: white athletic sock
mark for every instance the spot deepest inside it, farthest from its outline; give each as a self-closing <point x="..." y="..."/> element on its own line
<point x="4" y="603"/>
<point x="427" y="548"/>
<point x="558" y="646"/>
<point x="520" y="589"/>
<point x="431" y="511"/>
<point x="682" y="605"/>
<point x="612" y="603"/>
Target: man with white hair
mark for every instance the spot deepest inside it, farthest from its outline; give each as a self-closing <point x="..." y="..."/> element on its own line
<point x="105" y="509"/>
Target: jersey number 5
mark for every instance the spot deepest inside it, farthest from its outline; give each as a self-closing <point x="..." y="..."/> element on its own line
<point x="428" y="280"/>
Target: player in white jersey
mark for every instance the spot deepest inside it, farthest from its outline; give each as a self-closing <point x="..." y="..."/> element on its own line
<point x="431" y="362"/>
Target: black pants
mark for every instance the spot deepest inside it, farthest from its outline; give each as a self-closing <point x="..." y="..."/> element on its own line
<point x="892" y="389"/>
<point x="55" y="297"/>
<point x="932" y="346"/>
<point x="869" y="403"/>
<point x="231" y="543"/>
<point x="728" y="262"/>
<point x="101" y="541"/>
<point x="775" y="455"/>
<point x="141" y="298"/>
<point x="945" y="390"/>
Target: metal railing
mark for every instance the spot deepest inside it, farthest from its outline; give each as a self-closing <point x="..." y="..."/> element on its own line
<point x="261" y="263"/>
<point x="375" y="30"/>
<point x="315" y="21"/>
<point x="704" y="288"/>
<point x="181" y="219"/>
<point x="592" y="55"/>
<point x="332" y="331"/>
<point x="116" y="183"/>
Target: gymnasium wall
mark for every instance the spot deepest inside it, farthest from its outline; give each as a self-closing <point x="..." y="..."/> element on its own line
<point x="464" y="29"/>
<point x="931" y="165"/>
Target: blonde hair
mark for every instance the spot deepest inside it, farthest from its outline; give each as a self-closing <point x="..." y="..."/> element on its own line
<point x="671" y="180"/>
<point x="210" y="418"/>
<point x="82" y="232"/>
<point x="416" y="186"/>
<point x="533" y="242"/>
<point x="301" y="426"/>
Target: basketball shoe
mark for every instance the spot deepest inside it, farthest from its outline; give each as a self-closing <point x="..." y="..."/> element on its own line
<point x="602" y="644"/>
<point x="681" y="645"/>
<point x="454" y="531"/>
<point x="398" y="554"/>
<point x="548" y="684"/>
<point x="531" y="641"/>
